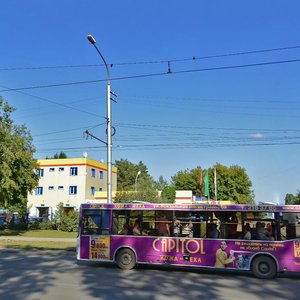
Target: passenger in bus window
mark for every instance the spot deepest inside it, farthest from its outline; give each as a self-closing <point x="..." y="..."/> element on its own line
<point x="163" y="226"/>
<point x="127" y="228"/>
<point x="176" y="227"/>
<point x="262" y="232"/>
<point x="137" y="228"/>
<point x="233" y="221"/>
<point x="247" y="232"/>
<point x="214" y="232"/>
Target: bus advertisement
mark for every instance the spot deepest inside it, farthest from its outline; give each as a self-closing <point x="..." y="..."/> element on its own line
<point x="264" y="239"/>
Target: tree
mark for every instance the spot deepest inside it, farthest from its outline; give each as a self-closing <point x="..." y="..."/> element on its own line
<point x="17" y="176"/>
<point x="58" y="156"/>
<point x="233" y="183"/>
<point x="161" y="183"/>
<point x="127" y="175"/>
<point x="132" y="186"/>
<point x="168" y="194"/>
<point x="188" y="180"/>
<point x="290" y="199"/>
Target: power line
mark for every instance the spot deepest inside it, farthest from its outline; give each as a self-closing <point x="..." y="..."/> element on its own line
<point x="154" y="75"/>
<point x="153" y="61"/>
<point x="66" y="130"/>
<point x="172" y="146"/>
<point x="51" y="101"/>
<point x="142" y="126"/>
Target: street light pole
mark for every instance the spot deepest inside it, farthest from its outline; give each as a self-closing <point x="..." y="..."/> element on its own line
<point x="137" y="175"/>
<point x="108" y="119"/>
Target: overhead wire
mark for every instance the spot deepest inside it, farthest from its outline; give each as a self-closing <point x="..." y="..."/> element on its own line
<point x="152" y="75"/>
<point x="193" y="58"/>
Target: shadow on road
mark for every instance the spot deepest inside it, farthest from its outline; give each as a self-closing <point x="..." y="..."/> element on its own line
<point x="35" y="273"/>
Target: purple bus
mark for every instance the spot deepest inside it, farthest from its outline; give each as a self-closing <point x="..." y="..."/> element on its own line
<point x="262" y="238"/>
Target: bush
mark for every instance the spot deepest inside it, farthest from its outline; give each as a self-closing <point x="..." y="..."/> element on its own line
<point x="48" y="225"/>
<point x="33" y="226"/>
<point x="65" y="220"/>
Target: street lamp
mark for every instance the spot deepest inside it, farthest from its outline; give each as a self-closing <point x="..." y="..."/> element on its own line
<point x="137" y="175"/>
<point x="109" y="163"/>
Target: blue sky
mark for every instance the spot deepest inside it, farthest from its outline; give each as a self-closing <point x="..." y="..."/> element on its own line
<point x="247" y="115"/>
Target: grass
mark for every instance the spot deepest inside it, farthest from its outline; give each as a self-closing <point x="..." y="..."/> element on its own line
<point x="8" y="242"/>
<point x="41" y="245"/>
<point x="39" y="233"/>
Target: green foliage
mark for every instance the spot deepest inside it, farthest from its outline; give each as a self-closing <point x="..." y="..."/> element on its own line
<point x="66" y="220"/>
<point x="58" y="156"/>
<point x="128" y="175"/>
<point x="291" y="199"/>
<point x="161" y="183"/>
<point x="233" y="183"/>
<point x="17" y="176"/>
<point x="168" y="194"/>
<point x="134" y="182"/>
<point x="146" y="195"/>
<point x="188" y="180"/>
<point x="47" y="225"/>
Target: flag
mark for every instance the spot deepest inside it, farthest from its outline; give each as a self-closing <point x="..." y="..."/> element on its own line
<point x="215" y="183"/>
<point x="201" y="184"/>
<point x="206" y="184"/>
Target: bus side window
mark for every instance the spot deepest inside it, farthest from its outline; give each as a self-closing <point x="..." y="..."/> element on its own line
<point x="96" y="222"/>
<point x="290" y="221"/>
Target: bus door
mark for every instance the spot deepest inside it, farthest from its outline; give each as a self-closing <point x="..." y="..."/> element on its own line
<point x="95" y="234"/>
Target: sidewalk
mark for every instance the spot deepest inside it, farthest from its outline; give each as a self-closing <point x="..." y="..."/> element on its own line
<point x="24" y="238"/>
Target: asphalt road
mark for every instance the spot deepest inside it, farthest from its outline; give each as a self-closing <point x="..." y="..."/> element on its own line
<point x="36" y="274"/>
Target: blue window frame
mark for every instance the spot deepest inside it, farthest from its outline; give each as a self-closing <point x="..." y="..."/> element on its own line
<point x="93" y="173"/>
<point x="61" y="169"/>
<point x="73" y="190"/>
<point x="51" y="169"/>
<point x="101" y="174"/>
<point x="92" y="190"/>
<point x="73" y="171"/>
<point x="39" y="190"/>
<point x="40" y="172"/>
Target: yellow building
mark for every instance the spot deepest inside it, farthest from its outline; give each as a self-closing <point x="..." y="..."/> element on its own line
<point x="71" y="181"/>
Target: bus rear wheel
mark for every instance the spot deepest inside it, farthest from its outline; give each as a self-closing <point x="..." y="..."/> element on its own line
<point x="126" y="259"/>
<point x="264" y="267"/>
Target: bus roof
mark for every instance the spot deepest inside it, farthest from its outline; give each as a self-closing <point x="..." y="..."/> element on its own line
<point x="196" y="207"/>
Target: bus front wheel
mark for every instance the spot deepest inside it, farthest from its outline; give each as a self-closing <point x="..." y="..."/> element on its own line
<point x="264" y="267"/>
<point x="125" y="259"/>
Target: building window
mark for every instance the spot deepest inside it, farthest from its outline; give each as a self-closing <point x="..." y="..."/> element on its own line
<point x="39" y="190"/>
<point x="51" y="169"/>
<point x="60" y="187"/>
<point x="92" y="190"/>
<point x="61" y="169"/>
<point x="50" y="187"/>
<point x="73" y="171"/>
<point x="93" y="173"/>
<point x="100" y="189"/>
<point x="73" y="190"/>
<point x="40" y="172"/>
<point x="101" y="174"/>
